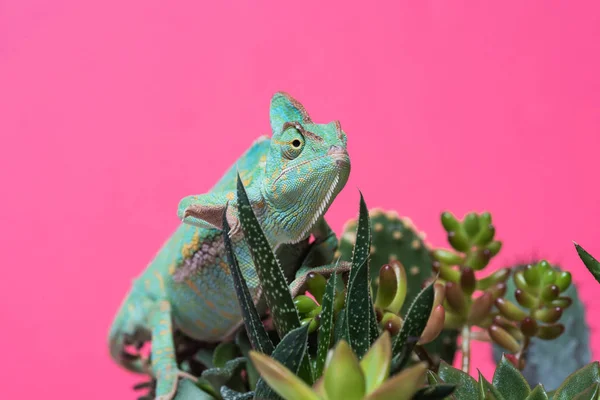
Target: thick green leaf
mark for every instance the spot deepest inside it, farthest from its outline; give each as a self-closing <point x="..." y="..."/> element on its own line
<point x="592" y="393"/>
<point x="414" y="324"/>
<point x="283" y="381"/>
<point x="290" y="352"/>
<point x="402" y="386"/>
<point x="229" y="394"/>
<point x="218" y="377"/>
<point x="538" y="393"/>
<point x="441" y="391"/>
<point x="225" y="351"/>
<point x="275" y="289"/>
<point x="466" y="387"/>
<point x="578" y="382"/>
<point x="509" y="381"/>
<point x="488" y="391"/>
<point x="590" y="262"/>
<point x="326" y="324"/>
<point x="360" y="315"/>
<point x="343" y="377"/>
<point x="257" y="333"/>
<point x="187" y="390"/>
<point x="376" y="362"/>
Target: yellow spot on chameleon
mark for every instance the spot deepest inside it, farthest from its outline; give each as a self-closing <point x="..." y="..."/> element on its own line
<point x="200" y="324"/>
<point x="263" y="159"/>
<point x="147" y="283"/>
<point x="164" y="305"/>
<point x="172" y="269"/>
<point x="190" y="248"/>
<point x="230" y="195"/>
<point x="226" y="315"/>
<point x="160" y="280"/>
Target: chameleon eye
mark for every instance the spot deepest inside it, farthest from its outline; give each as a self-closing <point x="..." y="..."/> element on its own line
<point x="296" y="143"/>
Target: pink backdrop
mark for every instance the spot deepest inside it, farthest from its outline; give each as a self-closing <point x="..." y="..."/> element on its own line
<point x="111" y="111"/>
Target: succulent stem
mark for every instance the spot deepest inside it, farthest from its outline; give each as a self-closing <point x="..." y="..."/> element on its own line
<point x="465" y="336"/>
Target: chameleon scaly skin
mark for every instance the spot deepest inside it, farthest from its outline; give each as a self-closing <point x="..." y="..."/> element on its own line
<point x="291" y="180"/>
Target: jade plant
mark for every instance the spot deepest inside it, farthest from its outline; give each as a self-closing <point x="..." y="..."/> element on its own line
<point x="384" y="320"/>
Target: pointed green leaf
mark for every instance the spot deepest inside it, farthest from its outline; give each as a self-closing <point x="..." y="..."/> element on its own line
<point x="538" y="393"/>
<point x="282" y="380"/>
<point x="290" y="352"/>
<point x="275" y="288"/>
<point x="242" y="341"/>
<point x="257" y="334"/>
<point x="414" y="324"/>
<point x="509" y="381"/>
<point x="326" y="324"/>
<point x="360" y="315"/>
<point x="578" y="382"/>
<point x="343" y="378"/>
<point x="466" y="387"/>
<point x="590" y="262"/>
<point x="488" y="390"/>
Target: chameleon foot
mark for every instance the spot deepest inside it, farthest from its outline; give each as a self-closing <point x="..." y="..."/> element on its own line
<point x="166" y="386"/>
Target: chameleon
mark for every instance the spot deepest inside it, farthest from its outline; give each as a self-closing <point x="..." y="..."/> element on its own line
<point x="291" y="180"/>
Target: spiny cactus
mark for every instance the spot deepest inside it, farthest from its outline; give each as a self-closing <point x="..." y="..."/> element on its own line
<point x="393" y="238"/>
<point x="550" y="362"/>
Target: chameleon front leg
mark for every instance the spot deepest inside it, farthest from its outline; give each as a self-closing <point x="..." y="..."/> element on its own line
<point x="164" y="364"/>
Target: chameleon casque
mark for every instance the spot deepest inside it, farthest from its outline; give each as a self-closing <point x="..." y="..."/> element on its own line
<point x="291" y="180"/>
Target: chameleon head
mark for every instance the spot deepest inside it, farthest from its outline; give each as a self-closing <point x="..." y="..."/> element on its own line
<point x="307" y="166"/>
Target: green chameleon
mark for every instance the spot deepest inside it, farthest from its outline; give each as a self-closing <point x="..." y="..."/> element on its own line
<point x="291" y="180"/>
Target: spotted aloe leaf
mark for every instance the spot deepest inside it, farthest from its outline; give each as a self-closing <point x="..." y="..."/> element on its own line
<point x="360" y="320"/>
<point x="270" y="274"/>
<point x="413" y="327"/>
<point x="590" y="262"/>
<point x="257" y="334"/>
<point x="229" y="394"/>
<point x="326" y="324"/>
<point x="291" y="353"/>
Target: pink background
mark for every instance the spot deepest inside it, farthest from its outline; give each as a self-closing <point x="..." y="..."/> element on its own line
<point x="112" y="111"/>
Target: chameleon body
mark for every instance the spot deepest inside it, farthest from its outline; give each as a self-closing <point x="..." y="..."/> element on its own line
<point x="291" y="180"/>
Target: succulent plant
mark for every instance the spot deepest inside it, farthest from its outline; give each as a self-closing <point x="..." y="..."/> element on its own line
<point x="347" y="377"/>
<point x="509" y="384"/>
<point x="550" y="362"/>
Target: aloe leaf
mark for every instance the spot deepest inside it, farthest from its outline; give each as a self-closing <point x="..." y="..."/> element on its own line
<point x="273" y="282"/>
<point x="413" y="326"/>
<point x="467" y="388"/>
<point x="290" y="352"/>
<point x="376" y="363"/>
<point x="509" y="381"/>
<point x="257" y="334"/>
<point x="326" y="326"/>
<point x="402" y="386"/>
<point x="360" y="315"/>
<point x="590" y="262"/>
<point x="578" y="382"/>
